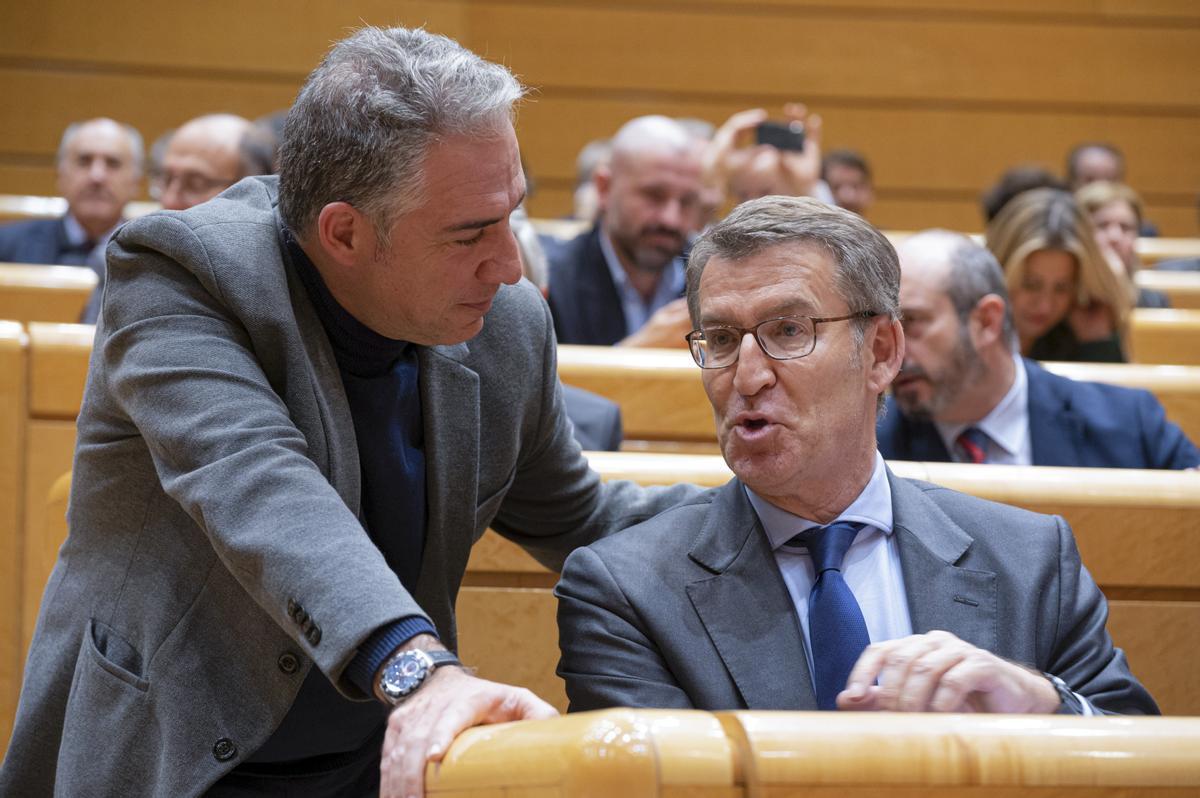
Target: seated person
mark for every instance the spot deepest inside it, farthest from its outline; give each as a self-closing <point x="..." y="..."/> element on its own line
<point x="207" y="155"/>
<point x="1013" y="181"/>
<point x="1116" y="212"/>
<point x="609" y="283"/>
<point x="1067" y="302"/>
<point x="99" y="170"/>
<point x="815" y="578"/>
<point x="1096" y="161"/>
<point x="848" y="176"/>
<point x="964" y="394"/>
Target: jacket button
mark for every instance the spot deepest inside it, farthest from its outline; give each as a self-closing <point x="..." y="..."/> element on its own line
<point x="313" y="634"/>
<point x="288" y="664"/>
<point x="293" y="608"/>
<point x="224" y="750"/>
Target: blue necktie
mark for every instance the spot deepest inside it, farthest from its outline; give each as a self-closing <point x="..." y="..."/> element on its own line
<point x="837" y="632"/>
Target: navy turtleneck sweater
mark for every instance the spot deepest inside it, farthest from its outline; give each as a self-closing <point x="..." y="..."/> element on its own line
<point x="381" y="379"/>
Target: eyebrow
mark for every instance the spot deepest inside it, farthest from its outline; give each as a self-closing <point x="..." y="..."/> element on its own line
<point x="477" y="224"/>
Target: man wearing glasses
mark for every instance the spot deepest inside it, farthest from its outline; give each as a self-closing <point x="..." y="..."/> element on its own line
<point x="206" y="156"/>
<point x="816" y="579"/>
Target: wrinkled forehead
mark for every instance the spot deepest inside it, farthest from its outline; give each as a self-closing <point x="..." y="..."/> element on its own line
<point x="789" y="278"/>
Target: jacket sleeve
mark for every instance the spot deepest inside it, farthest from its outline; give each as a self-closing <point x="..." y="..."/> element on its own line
<point x="1165" y="444"/>
<point x="1083" y="654"/>
<point x="607" y="658"/>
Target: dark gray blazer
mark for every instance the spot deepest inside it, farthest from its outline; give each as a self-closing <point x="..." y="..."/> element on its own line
<point x="690" y="610"/>
<point x="216" y="490"/>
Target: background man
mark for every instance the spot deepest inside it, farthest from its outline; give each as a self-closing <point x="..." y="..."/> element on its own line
<point x="287" y="448"/>
<point x="208" y="155"/>
<point x="627" y="272"/>
<point x="848" y="176"/>
<point x="99" y="168"/>
<point x="765" y="593"/>
<point x="965" y="394"/>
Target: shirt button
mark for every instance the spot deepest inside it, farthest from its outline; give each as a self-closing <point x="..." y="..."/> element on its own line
<point x="224" y="750"/>
<point x="288" y="664"/>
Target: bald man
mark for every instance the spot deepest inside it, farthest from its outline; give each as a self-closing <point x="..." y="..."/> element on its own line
<point x="99" y="169"/>
<point x="206" y="156"/>
<point x="622" y="281"/>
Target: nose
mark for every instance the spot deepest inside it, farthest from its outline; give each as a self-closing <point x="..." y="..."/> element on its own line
<point x="503" y="264"/>
<point x="753" y="370"/>
<point x="672" y="214"/>
<point x="97" y="169"/>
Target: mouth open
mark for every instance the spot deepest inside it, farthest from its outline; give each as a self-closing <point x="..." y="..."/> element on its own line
<point x="754" y="423"/>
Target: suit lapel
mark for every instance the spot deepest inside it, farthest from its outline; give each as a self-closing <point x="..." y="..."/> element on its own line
<point x="450" y="406"/>
<point x="1054" y="429"/>
<point x="746" y="609"/>
<point x="941" y="595"/>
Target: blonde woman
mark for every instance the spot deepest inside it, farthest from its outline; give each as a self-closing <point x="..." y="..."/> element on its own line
<point x="1067" y="302"/>
<point x="1115" y="211"/>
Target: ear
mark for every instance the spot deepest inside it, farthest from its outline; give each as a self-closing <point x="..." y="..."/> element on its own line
<point x="602" y="179"/>
<point x="986" y="322"/>
<point x="345" y="234"/>
<point x="884" y="346"/>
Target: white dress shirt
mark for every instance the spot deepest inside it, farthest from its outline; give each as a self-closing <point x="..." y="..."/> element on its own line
<point x="872" y="564"/>
<point x="1007" y="426"/>
<point x="637" y="310"/>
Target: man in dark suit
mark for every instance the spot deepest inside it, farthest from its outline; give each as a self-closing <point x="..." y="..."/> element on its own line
<point x="964" y="394"/>
<point x="99" y="169"/>
<point x="815" y="578"/>
<point x="624" y="278"/>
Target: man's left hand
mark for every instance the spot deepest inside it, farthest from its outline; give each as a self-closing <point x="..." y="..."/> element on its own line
<point x="937" y="672"/>
<point x="421" y="729"/>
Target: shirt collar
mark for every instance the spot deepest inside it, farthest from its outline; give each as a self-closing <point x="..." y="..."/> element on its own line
<point x="77" y="236"/>
<point x="873" y="507"/>
<point x="1008" y="422"/>
<point x="671" y="284"/>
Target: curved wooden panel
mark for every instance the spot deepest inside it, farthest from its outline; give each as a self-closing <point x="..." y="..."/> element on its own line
<point x="1165" y="336"/>
<point x="33" y="292"/>
<point x="12" y="444"/>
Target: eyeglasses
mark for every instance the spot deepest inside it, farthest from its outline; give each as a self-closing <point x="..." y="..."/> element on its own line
<point x="190" y="184"/>
<point x="784" y="338"/>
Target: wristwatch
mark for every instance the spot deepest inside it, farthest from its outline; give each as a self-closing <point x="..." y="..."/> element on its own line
<point x="407" y="670"/>
<point x="1071" y="705"/>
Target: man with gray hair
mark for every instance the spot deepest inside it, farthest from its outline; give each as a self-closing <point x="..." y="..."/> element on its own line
<point x="622" y="281"/>
<point x="99" y="169"/>
<point x="307" y="399"/>
<point x="965" y="394"/>
<point x="816" y="579"/>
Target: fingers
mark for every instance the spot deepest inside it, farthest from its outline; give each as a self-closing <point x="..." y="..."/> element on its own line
<point x="421" y="730"/>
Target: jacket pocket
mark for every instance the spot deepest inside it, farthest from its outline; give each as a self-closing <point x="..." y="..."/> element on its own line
<point x="114" y="655"/>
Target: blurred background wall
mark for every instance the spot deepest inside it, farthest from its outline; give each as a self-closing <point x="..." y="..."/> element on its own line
<point x="940" y="95"/>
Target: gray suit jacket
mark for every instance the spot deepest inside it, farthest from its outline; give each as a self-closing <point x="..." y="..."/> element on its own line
<point x="690" y="610"/>
<point x="214" y="539"/>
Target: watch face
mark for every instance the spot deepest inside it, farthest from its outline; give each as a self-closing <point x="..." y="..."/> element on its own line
<point x="405" y="673"/>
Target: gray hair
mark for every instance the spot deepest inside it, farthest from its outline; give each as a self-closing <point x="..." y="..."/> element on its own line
<point x="867" y="273"/>
<point x="366" y="117"/>
<point x="136" y="145"/>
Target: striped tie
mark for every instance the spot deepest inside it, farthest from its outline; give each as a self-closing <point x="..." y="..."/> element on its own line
<point x="973" y="441"/>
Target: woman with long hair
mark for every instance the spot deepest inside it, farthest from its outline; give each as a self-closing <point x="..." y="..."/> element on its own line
<point x="1115" y="211"/>
<point x="1067" y="302"/>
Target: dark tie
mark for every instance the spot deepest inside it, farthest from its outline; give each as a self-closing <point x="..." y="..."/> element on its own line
<point x="973" y="442"/>
<point x="837" y="632"/>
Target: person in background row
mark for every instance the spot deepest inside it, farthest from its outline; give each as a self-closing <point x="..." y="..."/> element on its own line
<point x="1096" y="161"/>
<point x="1067" y="302"/>
<point x="207" y="155"/>
<point x="1115" y="211"/>
<point x="586" y="199"/>
<point x="964" y="394"/>
<point x="743" y="169"/>
<point x="1012" y="182"/>
<point x="99" y="171"/>
<point x="815" y="579"/>
<point x="622" y="281"/>
<point x="848" y="176"/>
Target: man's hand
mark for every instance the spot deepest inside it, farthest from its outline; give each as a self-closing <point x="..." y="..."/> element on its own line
<point x="666" y="328"/>
<point x="421" y="729"/>
<point x="937" y="672"/>
<point x="797" y="172"/>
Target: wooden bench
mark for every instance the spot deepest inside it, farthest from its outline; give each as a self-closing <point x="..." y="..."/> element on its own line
<point x="33" y="292"/>
<point x="664" y="408"/>
<point x="627" y="752"/>
<point x="12" y="430"/>
<point x="1165" y="336"/>
<point x="1182" y="288"/>
<point x="14" y="207"/>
